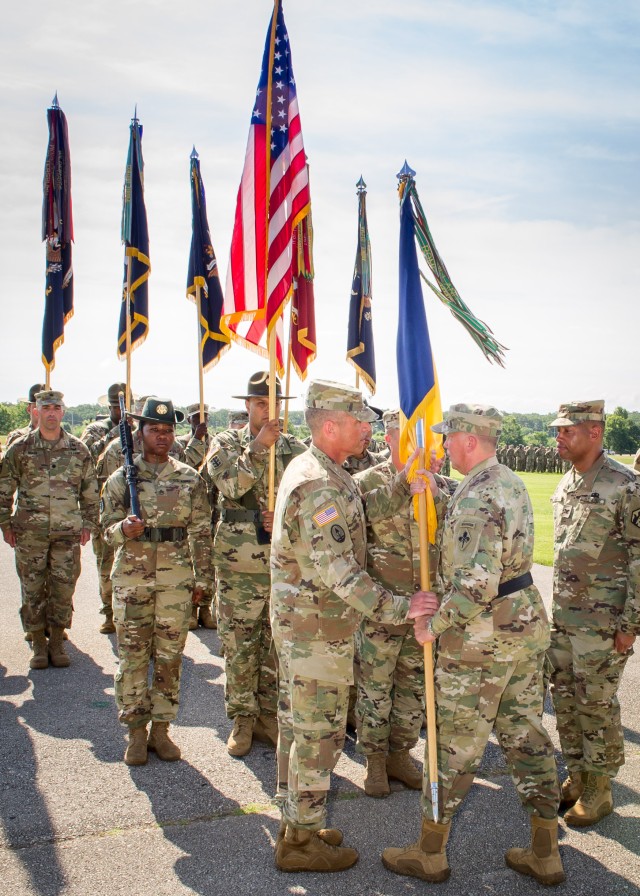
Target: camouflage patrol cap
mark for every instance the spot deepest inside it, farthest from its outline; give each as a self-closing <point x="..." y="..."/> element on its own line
<point x="479" y="419"/>
<point x="325" y="395"/>
<point x="49" y="396"/>
<point x="238" y="417"/>
<point x="33" y="391"/>
<point x="391" y="420"/>
<point x="194" y="409"/>
<point x="159" y="410"/>
<point x="579" y="412"/>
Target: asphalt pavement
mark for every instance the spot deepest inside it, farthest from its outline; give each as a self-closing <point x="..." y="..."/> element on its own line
<point x="75" y="820"/>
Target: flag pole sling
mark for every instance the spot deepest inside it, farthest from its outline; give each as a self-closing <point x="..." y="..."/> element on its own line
<point x="429" y="684"/>
<point x="200" y="365"/>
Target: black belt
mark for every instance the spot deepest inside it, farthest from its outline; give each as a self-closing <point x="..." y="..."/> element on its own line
<point x="166" y="533"/>
<point x="229" y="515"/>
<point x="514" y="585"/>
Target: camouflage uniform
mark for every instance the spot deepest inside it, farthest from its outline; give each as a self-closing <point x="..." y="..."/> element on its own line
<point x="369" y="459"/>
<point x="319" y="592"/>
<point x="108" y="462"/>
<point x="491" y="640"/>
<point x="390" y="706"/>
<point x="238" y="466"/>
<point x="596" y="592"/>
<point x="636" y="462"/>
<point x="153" y="580"/>
<point x="57" y="497"/>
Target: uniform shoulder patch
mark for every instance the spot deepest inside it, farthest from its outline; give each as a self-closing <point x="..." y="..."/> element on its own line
<point x="467" y="535"/>
<point x="214" y="460"/>
<point x="635" y="517"/>
<point x="338" y="533"/>
<point x="327" y="515"/>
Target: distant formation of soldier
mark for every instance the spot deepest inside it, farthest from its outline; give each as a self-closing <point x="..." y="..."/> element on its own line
<point x="531" y="458"/>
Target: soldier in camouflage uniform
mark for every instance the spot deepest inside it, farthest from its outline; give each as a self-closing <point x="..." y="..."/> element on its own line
<point x="32" y="410"/>
<point x="320" y="590"/>
<point x="521" y="459"/>
<point x="202" y="614"/>
<point x="596" y="607"/>
<point x="238" y="419"/>
<point x="492" y="632"/>
<point x="161" y="565"/>
<point x="238" y="466"/>
<point x="96" y="436"/>
<point x="389" y="660"/>
<point x="108" y="462"/>
<point x="56" y="510"/>
<point x="636" y="462"/>
<point x="367" y="458"/>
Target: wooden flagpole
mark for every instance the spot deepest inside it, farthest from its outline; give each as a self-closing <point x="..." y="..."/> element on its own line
<point x="429" y="683"/>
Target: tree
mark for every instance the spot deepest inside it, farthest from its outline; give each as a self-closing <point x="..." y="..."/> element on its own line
<point x="621" y="434"/>
<point x="511" y="433"/>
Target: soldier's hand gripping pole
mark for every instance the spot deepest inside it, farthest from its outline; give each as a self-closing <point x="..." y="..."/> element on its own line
<point x="126" y="442"/>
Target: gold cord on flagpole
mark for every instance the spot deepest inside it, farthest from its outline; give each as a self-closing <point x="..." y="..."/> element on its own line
<point x="272" y="416"/>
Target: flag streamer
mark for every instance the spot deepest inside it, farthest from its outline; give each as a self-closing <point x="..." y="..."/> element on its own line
<point x="480" y="332"/>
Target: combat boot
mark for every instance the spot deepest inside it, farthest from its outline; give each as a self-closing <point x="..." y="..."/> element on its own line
<point x="161" y="744"/>
<point x="332" y="836"/>
<point x="57" y="653"/>
<point x="239" y="742"/>
<point x="266" y="729"/>
<point x="206" y="618"/>
<point x="571" y="790"/>
<point x="40" y="657"/>
<point x="400" y="767"/>
<point x="542" y="859"/>
<point x="375" y="781"/>
<point x="302" y="850"/>
<point x="594" y="803"/>
<point x="107" y="627"/>
<point x="426" y="859"/>
<point x="193" y="619"/>
<point x="136" y="752"/>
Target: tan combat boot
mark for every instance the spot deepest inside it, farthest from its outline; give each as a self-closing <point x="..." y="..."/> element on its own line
<point x="594" y="803"/>
<point x="136" y="752"/>
<point x="206" y="618"/>
<point x="400" y="767"/>
<point x="542" y="859"/>
<point x="305" y="851"/>
<point x="375" y="781"/>
<point x="239" y="742"/>
<point x="57" y="653"/>
<point x="161" y="744"/>
<point x="266" y="729"/>
<point x="40" y="657"/>
<point x="332" y="836"/>
<point x="107" y="627"/>
<point x="571" y="790"/>
<point x="426" y="859"/>
<point x="193" y="620"/>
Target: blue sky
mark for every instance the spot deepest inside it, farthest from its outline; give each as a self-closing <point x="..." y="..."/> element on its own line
<point x="522" y="121"/>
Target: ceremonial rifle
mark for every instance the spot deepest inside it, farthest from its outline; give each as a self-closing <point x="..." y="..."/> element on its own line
<point x="126" y="442"/>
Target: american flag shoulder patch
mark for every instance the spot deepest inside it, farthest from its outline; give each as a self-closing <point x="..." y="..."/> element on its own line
<point x="327" y="515"/>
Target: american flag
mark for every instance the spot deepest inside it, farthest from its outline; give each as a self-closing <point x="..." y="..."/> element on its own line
<point x="272" y="199"/>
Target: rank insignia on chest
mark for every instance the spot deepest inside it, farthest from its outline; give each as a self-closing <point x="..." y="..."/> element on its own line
<point x="327" y="515"/>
